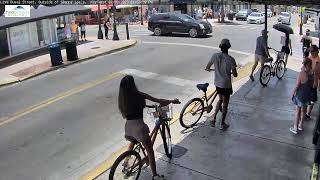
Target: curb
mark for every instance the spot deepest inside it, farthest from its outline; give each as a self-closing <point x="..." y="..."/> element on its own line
<point x="70" y="63"/>
<point x="106" y="164"/>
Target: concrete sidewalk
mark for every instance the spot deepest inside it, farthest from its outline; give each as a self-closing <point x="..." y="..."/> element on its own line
<point x="258" y="144"/>
<point x="42" y="64"/>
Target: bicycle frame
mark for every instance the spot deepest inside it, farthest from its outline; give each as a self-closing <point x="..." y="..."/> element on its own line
<point x="153" y="136"/>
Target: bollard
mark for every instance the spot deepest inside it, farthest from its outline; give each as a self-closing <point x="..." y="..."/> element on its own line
<point x="127" y="30"/>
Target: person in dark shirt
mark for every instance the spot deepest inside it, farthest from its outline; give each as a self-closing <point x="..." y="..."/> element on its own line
<point x="131" y="103"/>
<point x="287" y="48"/>
<point x="261" y="53"/>
<point x="306" y="43"/>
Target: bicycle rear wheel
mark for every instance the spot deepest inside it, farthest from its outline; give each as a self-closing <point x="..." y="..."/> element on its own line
<point x="265" y="75"/>
<point x="127" y="166"/>
<point x="166" y="137"/>
<point x="191" y="113"/>
<point x="280" y="69"/>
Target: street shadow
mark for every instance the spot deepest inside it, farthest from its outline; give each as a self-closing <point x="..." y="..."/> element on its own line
<point x="258" y="143"/>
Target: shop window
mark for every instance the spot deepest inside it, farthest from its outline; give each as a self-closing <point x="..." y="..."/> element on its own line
<point x="4" y="49"/>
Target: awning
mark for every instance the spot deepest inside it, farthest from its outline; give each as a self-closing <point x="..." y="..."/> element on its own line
<point x="126" y="6"/>
<point x="42" y="12"/>
<point x="102" y="7"/>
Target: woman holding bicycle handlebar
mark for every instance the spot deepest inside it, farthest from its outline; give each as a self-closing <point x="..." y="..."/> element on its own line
<point x="131" y="103"/>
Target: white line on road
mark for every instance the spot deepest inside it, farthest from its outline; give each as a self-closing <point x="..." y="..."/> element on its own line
<point x="195" y="45"/>
<point x="155" y="76"/>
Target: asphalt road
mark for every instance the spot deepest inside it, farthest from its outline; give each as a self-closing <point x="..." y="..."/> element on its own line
<point x="59" y="124"/>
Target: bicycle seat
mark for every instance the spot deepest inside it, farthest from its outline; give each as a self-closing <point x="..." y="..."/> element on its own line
<point x="131" y="139"/>
<point x="203" y="87"/>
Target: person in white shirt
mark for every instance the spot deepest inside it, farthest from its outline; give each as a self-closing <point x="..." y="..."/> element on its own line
<point x="224" y="66"/>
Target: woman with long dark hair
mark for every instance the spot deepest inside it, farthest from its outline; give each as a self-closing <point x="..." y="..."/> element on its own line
<point x="131" y="104"/>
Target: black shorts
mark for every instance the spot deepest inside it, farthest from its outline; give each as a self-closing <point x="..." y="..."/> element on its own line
<point x="224" y="91"/>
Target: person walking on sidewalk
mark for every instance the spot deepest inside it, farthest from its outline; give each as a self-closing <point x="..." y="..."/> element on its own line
<point x="261" y="53"/>
<point x="83" y="31"/>
<point x="302" y="94"/>
<point x="131" y="103"/>
<point x="306" y="43"/>
<point x="224" y="66"/>
<point x="315" y="59"/>
<point x="287" y="48"/>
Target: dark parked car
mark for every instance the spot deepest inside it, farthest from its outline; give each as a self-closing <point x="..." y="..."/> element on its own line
<point x="243" y="14"/>
<point x="166" y="23"/>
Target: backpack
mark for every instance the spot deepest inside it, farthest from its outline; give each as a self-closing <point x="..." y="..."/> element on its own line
<point x="306" y="42"/>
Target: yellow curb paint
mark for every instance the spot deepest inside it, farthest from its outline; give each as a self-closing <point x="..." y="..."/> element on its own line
<point x="106" y="165"/>
<point x="315" y="172"/>
<point x="49" y="101"/>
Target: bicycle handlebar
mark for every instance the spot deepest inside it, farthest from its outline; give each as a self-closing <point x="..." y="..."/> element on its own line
<point x="274" y="49"/>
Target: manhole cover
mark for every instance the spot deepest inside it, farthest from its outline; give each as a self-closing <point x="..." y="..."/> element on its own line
<point x="177" y="151"/>
<point x="95" y="47"/>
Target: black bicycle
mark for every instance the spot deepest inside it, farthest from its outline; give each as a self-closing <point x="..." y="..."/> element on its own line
<point x="129" y="164"/>
<point x="271" y="68"/>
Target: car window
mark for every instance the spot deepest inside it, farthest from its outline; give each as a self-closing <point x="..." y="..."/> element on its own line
<point x="174" y="18"/>
<point x="186" y="17"/>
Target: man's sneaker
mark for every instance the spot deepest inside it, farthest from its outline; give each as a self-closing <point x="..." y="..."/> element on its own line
<point x="308" y="117"/>
<point x="224" y="127"/>
<point x="158" y="177"/>
<point x="294" y="131"/>
<point x="252" y="78"/>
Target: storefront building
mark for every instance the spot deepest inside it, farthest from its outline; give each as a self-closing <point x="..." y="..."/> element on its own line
<point x="21" y="35"/>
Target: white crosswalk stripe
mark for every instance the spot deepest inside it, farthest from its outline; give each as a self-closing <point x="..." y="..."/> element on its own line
<point x="163" y="78"/>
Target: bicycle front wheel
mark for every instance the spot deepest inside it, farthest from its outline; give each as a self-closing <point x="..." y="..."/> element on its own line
<point x="166" y="137"/>
<point x="127" y="166"/>
<point x="265" y="75"/>
<point x="191" y="113"/>
<point x="280" y="69"/>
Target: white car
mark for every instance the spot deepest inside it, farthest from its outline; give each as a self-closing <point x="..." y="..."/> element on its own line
<point x="256" y="18"/>
<point x="284" y="18"/>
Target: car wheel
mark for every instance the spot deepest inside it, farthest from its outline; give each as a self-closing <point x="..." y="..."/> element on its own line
<point x="157" y="31"/>
<point x="193" y="32"/>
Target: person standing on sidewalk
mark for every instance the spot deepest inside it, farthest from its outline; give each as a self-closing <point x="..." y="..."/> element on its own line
<point x="224" y="66"/>
<point x="106" y="25"/>
<point x="83" y="31"/>
<point x="306" y="43"/>
<point x="315" y="59"/>
<point x="302" y="94"/>
<point x="131" y="103"/>
<point x="261" y="53"/>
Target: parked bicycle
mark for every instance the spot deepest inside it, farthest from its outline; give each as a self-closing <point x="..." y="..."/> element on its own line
<point x="128" y="165"/>
<point x="194" y="109"/>
<point x="270" y="68"/>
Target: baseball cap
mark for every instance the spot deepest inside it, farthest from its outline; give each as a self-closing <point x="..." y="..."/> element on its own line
<point x="264" y="31"/>
<point x="225" y="43"/>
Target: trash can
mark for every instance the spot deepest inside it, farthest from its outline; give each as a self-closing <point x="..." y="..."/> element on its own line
<point x="71" y="50"/>
<point x="55" y="54"/>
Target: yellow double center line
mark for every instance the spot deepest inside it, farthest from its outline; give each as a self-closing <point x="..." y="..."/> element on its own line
<point x="49" y="101"/>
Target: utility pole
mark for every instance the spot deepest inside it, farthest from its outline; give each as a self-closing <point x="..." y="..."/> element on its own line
<point x="100" y="35"/>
